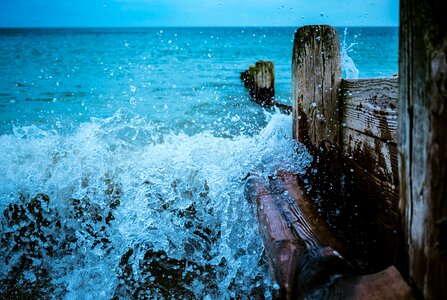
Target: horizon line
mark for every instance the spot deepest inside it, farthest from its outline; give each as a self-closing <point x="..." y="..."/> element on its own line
<point x="190" y="26"/>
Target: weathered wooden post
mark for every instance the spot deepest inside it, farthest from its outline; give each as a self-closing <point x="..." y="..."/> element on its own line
<point x="316" y="77"/>
<point x="264" y="83"/>
<point x="260" y="82"/>
<point x="423" y="142"/>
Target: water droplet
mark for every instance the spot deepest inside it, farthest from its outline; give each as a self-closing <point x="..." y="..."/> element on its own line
<point x="132" y="100"/>
<point x="133" y="88"/>
<point x="314" y="104"/>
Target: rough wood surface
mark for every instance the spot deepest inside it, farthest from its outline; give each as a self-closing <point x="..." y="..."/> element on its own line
<point x="264" y="83"/>
<point x="384" y="285"/>
<point x="303" y="251"/>
<point x="282" y="247"/>
<point x="316" y="76"/>
<point x="370" y="107"/>
<point x="423" y="141"/>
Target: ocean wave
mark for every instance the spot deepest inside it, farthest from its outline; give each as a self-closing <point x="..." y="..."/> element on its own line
<point x="122" y="208"/>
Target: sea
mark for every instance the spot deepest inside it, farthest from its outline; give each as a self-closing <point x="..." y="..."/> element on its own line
<point x="124" y="153"/>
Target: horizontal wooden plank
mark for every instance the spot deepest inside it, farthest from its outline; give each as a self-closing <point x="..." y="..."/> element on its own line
<point x="373" y="155"/>
<point x="371" y="181"/>
<point x="370" y="107"/>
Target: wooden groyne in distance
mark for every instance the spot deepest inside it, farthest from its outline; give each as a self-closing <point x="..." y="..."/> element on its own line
<point x="259" y="80"/>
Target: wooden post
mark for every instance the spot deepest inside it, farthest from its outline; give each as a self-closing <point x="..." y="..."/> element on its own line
<point x="423" y="142"/>
<point x="316" y="76"/>
<point x="264" y="83"/>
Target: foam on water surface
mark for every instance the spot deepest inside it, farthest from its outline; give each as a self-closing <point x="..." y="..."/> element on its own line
<point x="115" y="209"/>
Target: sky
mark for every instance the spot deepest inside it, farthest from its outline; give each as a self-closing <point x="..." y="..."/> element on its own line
<point x="161" y="13"/>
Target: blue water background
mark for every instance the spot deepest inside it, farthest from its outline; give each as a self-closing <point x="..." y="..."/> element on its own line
<point x="124" y="154"/>
<point x="181" y="78"/>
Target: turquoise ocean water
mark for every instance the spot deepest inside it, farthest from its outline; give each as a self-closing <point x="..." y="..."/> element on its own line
<point x="123" y="154"/>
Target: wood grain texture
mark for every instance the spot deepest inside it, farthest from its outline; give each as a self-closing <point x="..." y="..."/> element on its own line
<point x="370" y="107"/>
<point x="282" y="247"/>
<point x="304" y="252"/>
<point x="316" y="76"/>
<point x="423" y="142"/>
<point x="299" y="210"/>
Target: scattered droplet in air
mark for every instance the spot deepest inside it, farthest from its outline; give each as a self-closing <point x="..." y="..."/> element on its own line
<point x="133" y="88"/>
<point x="314" y="104"/>
<point x="132" y="100"/>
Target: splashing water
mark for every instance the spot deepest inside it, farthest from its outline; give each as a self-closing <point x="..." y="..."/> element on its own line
<point x="350" y="71"/>
<point x="119" y="210"/>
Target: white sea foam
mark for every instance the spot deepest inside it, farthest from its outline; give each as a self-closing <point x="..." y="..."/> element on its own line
<point x="181" y="227"/>
<point x="347" y="63"/>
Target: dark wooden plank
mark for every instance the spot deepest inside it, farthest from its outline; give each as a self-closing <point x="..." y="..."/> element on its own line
<point x="371" y="188"/>
<point x="370" y="107"/>
<point x="423" y="141"/>
<point x="374" y="156"/>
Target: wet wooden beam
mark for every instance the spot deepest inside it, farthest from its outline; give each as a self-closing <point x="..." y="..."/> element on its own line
<point x="316" y="77"/>
<point x="371" y="189"/>
<point x="305" y="256"/>
<point x="282" y="247"/>
<point x="423" y="142"/>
